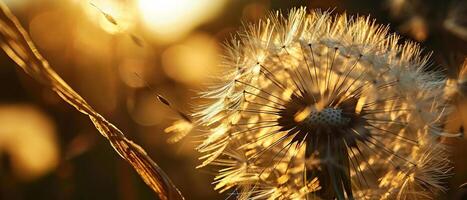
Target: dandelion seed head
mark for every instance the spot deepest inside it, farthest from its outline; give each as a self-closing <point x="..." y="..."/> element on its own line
<point x="321" y="106"/>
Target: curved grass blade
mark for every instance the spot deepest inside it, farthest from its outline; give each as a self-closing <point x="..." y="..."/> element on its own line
<point x="16" y="43"/>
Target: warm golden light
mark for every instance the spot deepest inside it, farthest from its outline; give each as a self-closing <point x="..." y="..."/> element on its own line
<point x="189" y="61"/>
<point x="28" y="135"/>
<point x="170" y="20"/>
<point x="302" y="114"/>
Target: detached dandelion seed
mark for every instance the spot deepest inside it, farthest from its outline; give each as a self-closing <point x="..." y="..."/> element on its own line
<point x="107" y="16"/>
<point x="315" y="106"/>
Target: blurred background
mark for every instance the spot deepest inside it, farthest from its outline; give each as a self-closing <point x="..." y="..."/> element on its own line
<point x="50" y="151"/>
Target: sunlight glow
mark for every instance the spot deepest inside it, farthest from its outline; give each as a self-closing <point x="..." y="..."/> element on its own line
<point x="171" y="20"/>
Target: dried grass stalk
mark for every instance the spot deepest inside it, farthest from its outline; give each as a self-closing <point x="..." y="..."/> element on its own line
<point x="16" y="43"/>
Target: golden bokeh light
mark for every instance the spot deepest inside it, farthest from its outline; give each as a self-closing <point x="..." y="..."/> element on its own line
<point x="28" y="136"/>
<point x="189" y="61"/>
<point x="144" y="109"/>
<point x="130" y="70"/>
<point x="171" y="20"/>
<point x="53" y="39"/>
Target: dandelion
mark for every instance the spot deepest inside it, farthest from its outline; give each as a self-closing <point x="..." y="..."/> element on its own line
<point x="315" y="106"/>
<point x="456" y="92"/>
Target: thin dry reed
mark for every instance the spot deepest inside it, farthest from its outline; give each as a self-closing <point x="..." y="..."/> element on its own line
<point x="16" y="43"/>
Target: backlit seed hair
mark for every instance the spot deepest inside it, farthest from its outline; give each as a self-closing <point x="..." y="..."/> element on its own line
<point x="316" y="106"/>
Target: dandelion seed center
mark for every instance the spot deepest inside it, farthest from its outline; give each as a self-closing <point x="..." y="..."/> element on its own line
<point x="327" y="117"/>
<point x="309" y="113"/>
